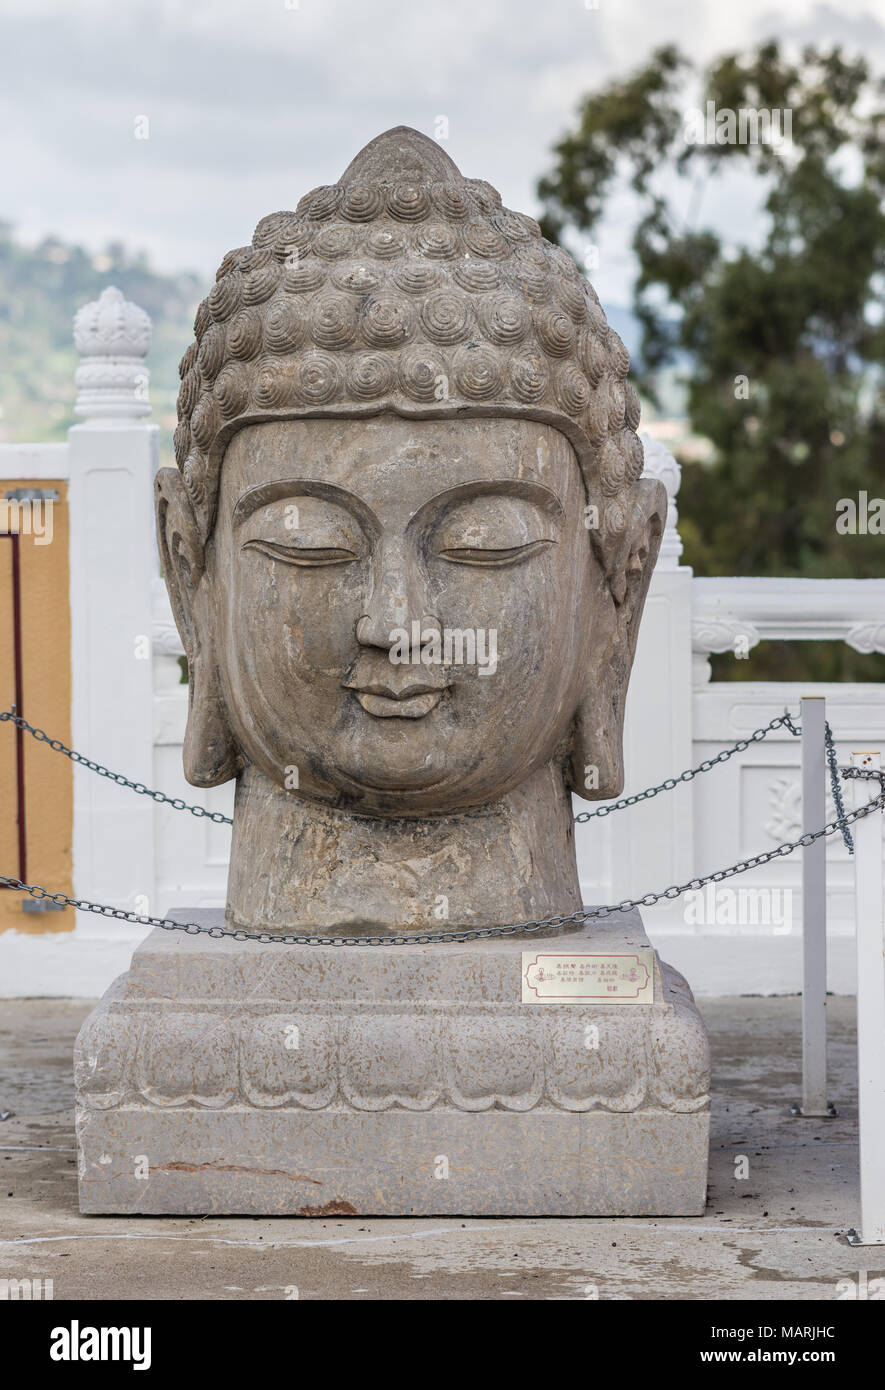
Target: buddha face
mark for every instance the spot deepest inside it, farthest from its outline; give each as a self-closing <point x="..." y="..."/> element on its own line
<point x="403" y="611"/>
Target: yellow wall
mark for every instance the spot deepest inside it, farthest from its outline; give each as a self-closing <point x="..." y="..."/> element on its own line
<point x="46" y="691"/>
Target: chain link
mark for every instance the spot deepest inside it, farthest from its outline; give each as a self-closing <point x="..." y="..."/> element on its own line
<point x="708" y="763"/>
<point x="161" y="798"/>
<point x="545" y="924"/>
<point x="478" y="933"/>
<point x="835" y="785"/>
<point x="178" y="804"/>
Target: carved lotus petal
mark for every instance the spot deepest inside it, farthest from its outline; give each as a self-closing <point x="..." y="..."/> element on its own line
<point x="290" y="1059"/>
<point x="111" y="326"/>
<point x="187" y="1059"/>
<point x="680" y="1072"/>
<point x="103" y="1057"/>
<point x="496" y="1062"/>
<point x="600" y="1069"/>
<point x="387" y="1062"/>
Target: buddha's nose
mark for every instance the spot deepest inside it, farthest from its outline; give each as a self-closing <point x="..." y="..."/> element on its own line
<point x="396" y="601"/>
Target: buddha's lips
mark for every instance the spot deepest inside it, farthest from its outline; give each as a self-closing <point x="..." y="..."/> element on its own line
<point x="413" y="703"/>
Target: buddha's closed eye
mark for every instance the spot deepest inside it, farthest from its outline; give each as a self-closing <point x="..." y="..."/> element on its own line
<point x="310" y="557"/>
<point x="310" y="532"/>
<point x="487" y="530"/>
<point x="493" y="555"/>
<point x="493" y="530"/>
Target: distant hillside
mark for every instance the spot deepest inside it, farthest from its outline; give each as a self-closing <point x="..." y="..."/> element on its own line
<point x="41" y="288"/>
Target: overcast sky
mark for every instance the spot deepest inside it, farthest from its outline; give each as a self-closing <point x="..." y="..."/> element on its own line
<point x="253" y="102"/>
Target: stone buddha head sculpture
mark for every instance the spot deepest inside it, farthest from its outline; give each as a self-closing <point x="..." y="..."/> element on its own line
<point x="407" y="546"/>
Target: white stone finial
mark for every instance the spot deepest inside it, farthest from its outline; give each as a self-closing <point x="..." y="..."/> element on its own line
<point x="112" y="336"/>
<point x="660" y="464"/>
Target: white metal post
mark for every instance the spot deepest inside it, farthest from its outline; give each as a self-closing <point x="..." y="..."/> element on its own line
<point x="870" y="914"/>
<point x="814" y="911"/>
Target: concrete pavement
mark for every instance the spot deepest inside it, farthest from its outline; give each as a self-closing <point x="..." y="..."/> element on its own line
<point x="776" y="1234"/>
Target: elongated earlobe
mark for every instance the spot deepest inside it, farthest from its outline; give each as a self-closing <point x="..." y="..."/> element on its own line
<point x="210" y="754"/>
<point x="596" y="765"/>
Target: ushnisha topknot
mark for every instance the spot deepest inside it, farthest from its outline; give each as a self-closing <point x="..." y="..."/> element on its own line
<point x="406" y="287"/>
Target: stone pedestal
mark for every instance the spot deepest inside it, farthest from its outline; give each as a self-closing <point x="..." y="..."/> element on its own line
<point x="245" y="1078"/>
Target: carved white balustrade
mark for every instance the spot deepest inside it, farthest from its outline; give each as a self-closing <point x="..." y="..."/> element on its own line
<point x="734" y="614"/>
<point x="112" y="336"/>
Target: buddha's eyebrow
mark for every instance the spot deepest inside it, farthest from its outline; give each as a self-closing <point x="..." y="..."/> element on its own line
<point x="541" y="496"/>
<point x="265" y="493"/>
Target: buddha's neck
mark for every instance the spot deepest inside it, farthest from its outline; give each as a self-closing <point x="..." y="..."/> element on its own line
<point x="298" y="864"/>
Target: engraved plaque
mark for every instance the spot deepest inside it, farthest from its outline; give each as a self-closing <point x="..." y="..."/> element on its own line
<point x="583" y="977"/>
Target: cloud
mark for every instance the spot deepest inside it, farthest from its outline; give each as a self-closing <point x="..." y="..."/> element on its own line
<point x="252" y="104"/>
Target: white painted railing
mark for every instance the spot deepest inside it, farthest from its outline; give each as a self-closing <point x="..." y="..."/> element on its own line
<point x="733" y="614"/>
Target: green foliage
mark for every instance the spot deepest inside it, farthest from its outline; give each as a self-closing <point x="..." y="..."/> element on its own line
<point x="41" y="289"/>
<point x="784" y="340"/>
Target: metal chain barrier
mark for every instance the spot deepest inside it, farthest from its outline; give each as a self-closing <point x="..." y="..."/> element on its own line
<point x="161" y="798"/>
<point x="178" y="804"/>
<point x="836" y="786"/>
<point x="708" y="763"/>
<point x="478" y="933"/>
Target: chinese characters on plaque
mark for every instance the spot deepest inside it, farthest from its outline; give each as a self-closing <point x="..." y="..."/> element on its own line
<point x="578" y="977"/>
